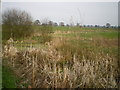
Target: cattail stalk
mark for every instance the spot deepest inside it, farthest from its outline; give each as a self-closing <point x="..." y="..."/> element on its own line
<point x="33" y="72"/>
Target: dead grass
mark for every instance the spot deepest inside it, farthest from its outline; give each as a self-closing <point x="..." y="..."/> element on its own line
<point x="64" y="65"/>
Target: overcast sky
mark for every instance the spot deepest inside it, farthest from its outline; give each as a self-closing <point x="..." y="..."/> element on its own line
<point x="91" y="13"/>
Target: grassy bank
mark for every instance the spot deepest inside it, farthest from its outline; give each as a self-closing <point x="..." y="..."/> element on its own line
<point x="8" y="77"/>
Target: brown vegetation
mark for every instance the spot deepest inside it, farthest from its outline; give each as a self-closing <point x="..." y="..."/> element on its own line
<point x="63" y="65"/>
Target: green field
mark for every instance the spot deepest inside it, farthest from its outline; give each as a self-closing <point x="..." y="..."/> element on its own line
<point x="98" y="38"/>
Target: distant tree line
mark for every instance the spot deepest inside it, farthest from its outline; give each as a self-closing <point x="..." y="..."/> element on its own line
<point x="51" y="23"/>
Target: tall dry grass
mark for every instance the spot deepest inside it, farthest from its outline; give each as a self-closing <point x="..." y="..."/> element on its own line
<point x="62" y="66"/>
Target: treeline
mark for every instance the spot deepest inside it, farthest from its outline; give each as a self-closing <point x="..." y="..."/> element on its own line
<point x="51" y="23"/>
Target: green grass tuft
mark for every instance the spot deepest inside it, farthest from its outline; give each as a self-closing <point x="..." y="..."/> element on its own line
<point x="9" y="79"/>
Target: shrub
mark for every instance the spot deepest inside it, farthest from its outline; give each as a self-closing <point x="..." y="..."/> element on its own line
<point x="16" y="24"/>
<point x="45" y="31"/>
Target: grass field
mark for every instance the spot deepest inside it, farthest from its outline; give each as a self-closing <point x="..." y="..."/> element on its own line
<point x="98" y="38"/>
<point x="75" y="57"/>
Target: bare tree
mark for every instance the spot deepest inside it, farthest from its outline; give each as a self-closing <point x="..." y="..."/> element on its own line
<point x="55" y="24"/>
<point x="44" y="21"/>
<point x="71" y="22"/>
<point x="61" y="24"/>
<point x="107" y="25"/>
<point x="81" y="17"/>
<point x="16" y="24"/>
<point x="37" y="22"/>
<point x="50" y="23"/>
<point x="78" y="24"/>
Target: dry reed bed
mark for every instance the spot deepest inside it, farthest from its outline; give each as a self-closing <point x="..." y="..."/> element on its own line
<point x="41" y="68"/>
